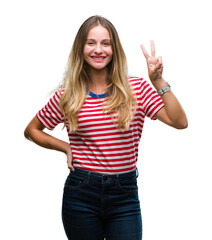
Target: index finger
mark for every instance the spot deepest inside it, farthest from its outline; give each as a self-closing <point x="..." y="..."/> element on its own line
<point x="144" y="51"/>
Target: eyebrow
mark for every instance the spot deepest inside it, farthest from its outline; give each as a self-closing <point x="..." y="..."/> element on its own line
<point x="90" y="39"/>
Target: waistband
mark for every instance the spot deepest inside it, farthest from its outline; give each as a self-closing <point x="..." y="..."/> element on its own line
<point x="99" y="177"/>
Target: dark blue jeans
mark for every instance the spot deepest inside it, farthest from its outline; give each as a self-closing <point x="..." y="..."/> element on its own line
<point x="97" y="206"/>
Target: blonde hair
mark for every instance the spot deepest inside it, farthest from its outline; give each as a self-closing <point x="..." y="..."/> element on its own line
<point x="120" y="102"/>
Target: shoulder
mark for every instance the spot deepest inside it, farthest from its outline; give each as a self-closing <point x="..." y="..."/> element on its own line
<point x="58" y="93"/>
<point x="137" y="82"/>
<point x="61" y="91"/>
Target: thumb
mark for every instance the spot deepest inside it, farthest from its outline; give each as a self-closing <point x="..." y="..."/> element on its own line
<point x="70" y="162"/>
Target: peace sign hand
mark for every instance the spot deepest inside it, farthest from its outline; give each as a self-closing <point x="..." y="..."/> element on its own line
<point x="155" y="65"/>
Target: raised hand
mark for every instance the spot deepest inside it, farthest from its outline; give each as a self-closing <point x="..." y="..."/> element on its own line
<point x="155" y="65"/>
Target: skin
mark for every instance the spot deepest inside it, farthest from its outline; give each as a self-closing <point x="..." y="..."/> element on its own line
<point x="172" y="113"/>
<point x="98" y="46"/>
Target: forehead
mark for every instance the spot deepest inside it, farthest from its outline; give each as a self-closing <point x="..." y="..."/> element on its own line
<point x="98" y="32"/>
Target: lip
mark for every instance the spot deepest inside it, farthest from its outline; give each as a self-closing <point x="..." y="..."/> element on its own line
<point x="98" y="58"/>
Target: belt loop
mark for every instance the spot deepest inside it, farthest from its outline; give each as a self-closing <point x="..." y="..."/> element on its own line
<point x="117" y="178"/>
<point x="137" y="173"/>
<point x="89" y="173"/>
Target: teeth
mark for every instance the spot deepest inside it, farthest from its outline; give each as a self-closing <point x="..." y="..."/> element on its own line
<point x="98" y="58"/>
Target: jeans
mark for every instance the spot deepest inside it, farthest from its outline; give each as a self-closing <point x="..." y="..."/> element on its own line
<point x="97" y="207"/>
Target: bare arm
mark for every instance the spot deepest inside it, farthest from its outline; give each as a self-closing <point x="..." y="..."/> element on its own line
<point x="34" y="132"/>
<point x="172" y="114"/>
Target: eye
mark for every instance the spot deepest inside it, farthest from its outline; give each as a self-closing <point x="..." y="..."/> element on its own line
<point x="106" y="44"/>
<point x="90" y="43"/>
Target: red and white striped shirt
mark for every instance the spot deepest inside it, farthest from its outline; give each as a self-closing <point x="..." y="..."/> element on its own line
<point x="98" y="145"/>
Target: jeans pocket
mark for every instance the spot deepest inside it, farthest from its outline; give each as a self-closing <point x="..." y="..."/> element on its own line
<point x="75" y="182"/>
<point x="128" y="186"/>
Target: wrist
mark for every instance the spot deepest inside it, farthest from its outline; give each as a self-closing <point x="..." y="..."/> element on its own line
<point x="164" y="89"/>
<point x="159" y="84"/>
<point x="67" y="148"/>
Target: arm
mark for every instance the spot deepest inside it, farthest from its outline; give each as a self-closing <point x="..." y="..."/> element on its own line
<point x="172" y="114"/>
<point x="34" y="132"/>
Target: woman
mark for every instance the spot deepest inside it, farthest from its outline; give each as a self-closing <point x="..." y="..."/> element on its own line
<point x="103" y="110"/>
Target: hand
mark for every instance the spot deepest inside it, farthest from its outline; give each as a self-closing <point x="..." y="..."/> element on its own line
<point x="155" y="65"/>
<point x="70" y="160"/>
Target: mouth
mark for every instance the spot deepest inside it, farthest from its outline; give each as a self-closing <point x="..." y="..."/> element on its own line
<point x="98" y="58"/>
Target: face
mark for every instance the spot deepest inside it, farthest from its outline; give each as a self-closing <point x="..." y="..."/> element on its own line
<point x="98" y="50"/>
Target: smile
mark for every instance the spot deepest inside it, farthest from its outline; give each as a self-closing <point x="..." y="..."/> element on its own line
<point x="98" y="59"/>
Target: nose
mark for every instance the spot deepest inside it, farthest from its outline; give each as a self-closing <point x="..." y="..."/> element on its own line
<point x="98" y="49"/>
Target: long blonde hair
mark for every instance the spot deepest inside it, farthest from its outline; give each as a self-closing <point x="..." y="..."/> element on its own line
<point x="120" y="102"/>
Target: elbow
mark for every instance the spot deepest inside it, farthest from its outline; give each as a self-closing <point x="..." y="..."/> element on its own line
<point x="183" y="124"/>
<point x="26" y="133"/>
<point x="31" y="129"/>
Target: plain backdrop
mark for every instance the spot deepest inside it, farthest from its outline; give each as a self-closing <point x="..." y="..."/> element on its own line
<point x="174" y="165"/>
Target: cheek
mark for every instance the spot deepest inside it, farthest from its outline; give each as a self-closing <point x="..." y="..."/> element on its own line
<point x="111" y="56"/>
<point x="86" y="51"/>
<point x="110" y="52"/>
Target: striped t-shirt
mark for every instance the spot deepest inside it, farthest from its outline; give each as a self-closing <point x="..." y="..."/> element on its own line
<point x="98" y="145"/>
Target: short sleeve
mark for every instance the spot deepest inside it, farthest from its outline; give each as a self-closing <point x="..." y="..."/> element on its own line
<point x="50" y="115"/>
<point x="150" y="100"/>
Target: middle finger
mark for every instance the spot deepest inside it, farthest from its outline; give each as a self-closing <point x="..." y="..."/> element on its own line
<point x="152" y="48"/>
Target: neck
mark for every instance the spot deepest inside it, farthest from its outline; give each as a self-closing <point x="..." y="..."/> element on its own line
<point x="98" y="81"/>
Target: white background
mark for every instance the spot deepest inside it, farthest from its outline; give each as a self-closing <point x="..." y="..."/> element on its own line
<point x="175" y="165"/>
